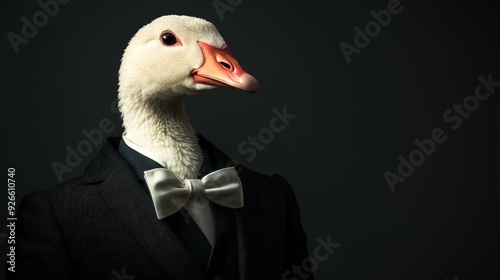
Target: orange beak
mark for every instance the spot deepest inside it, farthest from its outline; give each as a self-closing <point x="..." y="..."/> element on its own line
<point x="220" y="68"/>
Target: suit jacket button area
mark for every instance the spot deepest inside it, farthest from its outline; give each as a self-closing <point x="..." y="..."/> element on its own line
<point x="218" y="277"/>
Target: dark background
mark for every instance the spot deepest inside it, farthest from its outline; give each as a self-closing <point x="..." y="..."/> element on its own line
<point x="353" y="120"/>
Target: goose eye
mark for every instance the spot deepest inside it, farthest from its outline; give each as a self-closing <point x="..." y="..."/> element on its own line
<point x="168" y="39"/>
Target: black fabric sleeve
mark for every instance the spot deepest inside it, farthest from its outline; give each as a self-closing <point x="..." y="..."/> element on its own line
<point x="296" y="244"/>
<point x="41" y="252"/>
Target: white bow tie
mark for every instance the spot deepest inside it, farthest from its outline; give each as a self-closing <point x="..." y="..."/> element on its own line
<point x="170" y="192"/>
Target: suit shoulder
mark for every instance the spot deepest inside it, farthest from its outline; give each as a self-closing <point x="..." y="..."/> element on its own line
<point x="71" y="186"/>
<point x="276" y="180"/>
<point x="274" y="185"/>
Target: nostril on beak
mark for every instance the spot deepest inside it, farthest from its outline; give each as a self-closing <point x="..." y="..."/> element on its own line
<point x="225" y="65"/>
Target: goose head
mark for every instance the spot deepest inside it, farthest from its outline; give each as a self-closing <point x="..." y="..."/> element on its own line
<point x="168" y="59"/>
<point x="175" y="56"/>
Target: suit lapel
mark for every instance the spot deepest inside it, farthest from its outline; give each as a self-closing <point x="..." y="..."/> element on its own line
<point x="261" y="235"/>
<point x="248" y="254"/>
<point x="127" y="199"/>
<point x="257" y="239"/>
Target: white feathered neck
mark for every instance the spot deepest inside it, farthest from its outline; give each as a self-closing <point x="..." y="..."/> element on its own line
<point x="162" y="128"/>
<point x="153" y="82"/>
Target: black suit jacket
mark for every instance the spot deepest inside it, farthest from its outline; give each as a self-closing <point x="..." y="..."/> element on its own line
<point x="103" y="224"/>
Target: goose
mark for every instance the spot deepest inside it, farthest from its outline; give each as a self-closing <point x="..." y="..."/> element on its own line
<point x="173" y="57"/>
<point x="105" y="209"/>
